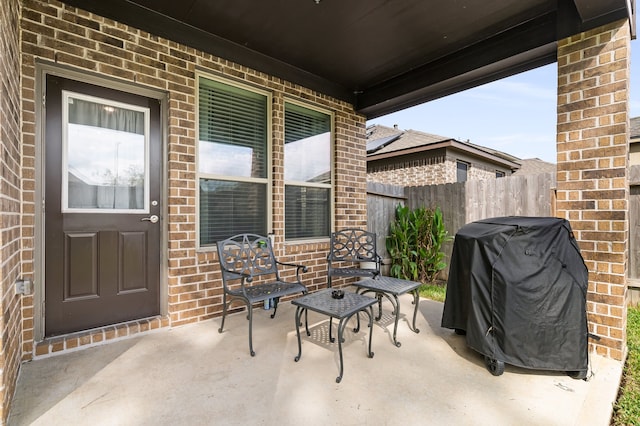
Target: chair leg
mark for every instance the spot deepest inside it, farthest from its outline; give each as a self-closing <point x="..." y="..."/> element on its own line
<point x="224" y="311"/>
<point x="250" y="329"/>
<point x="275" y="306"/>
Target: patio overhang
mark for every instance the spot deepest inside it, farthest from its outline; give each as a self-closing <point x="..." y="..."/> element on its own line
<point x="381" y="56"/>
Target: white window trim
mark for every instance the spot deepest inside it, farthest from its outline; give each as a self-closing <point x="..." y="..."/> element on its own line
<point x="332" y="172"/>
<point x="66" y="94"/>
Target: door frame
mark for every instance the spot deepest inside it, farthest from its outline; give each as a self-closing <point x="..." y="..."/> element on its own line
<point x="44" y="68"/>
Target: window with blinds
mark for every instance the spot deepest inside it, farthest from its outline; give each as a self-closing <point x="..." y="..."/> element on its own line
<point x="307" y="172"/>
<point x="232" y="161"/>
<point x="461" y="171"/>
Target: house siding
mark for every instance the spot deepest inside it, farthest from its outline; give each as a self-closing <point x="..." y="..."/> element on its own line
<point x="11" y="245"/>
<point x="419" y="171"/>
<point x="480" y="171"/>
<point x="593" y="190"/>
<point x="57" y="33"/>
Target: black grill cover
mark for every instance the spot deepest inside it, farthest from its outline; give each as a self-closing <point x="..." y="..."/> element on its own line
<point x="517" y="286"/>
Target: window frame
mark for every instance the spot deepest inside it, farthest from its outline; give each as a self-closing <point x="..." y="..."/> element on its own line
<point x="466" y="175"/>
<point x="64" y="198"/>
<point x="332" y="171"/>
<point x="268" y="180"/>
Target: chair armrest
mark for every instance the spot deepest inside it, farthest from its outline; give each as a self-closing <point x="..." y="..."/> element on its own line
<point x="236" y="276"/>
<point x="298" y="267"/>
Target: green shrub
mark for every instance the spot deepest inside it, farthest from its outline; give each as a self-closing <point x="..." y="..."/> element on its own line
<point x="415" y="243"/>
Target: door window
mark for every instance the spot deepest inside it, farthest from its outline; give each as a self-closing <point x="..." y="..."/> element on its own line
<point x="105" y="156"/>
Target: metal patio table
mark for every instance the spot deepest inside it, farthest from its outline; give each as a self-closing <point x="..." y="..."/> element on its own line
<point x="342" y="309"/>
<point x="391" y="288"/>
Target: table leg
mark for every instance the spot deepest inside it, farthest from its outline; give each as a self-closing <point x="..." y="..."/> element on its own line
<point x="331" y="338"/>
<point x="298" y="316"/>
<point x="370" y="313"/>
<point x="416" y="301"/>
<point x="306" y="321"/>
<point x="379" y="297"/>
<point x="396" y="308"/>
<point x="342" y="325"/>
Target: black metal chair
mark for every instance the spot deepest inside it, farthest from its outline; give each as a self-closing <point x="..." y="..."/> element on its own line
<point x="250" y="274"/>
<point x="353" y="253"/>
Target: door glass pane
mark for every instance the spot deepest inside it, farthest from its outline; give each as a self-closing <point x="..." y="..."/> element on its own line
<point x="105" y="148"/>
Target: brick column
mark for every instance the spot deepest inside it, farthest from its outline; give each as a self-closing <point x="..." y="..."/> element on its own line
<point x="592" y="144"/>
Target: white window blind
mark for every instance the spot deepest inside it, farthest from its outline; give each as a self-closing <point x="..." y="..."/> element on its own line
<point x="232" y="161"/>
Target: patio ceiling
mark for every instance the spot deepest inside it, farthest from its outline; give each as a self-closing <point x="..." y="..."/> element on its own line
<point x="379" y="55"/>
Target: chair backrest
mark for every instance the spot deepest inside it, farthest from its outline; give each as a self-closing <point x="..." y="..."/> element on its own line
<point x="353" y="245"/>
<point x="248" y="254"/>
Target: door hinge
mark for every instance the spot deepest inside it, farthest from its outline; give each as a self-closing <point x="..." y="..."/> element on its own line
<point x="44" y="100"/>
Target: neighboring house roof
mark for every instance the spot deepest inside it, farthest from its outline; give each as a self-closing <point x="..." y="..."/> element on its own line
<point x="496" y="152"/>
<point x="379" y="144"/>
<point x="398" y="140"/>
<point x="634" y="131"/>
<point x="534" y="166"/>
<point x="385" y="142"/>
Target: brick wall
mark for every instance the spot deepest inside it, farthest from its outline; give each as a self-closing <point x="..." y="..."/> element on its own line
<point x="10" y="187"/>
<point x="58" y="33"/>
<point x="425" y="171"/>
<point x="592" y="192"/>
<point x="480" y="171"/>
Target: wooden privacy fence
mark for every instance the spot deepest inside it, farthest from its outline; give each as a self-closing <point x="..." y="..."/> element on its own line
<point x="381" y="211"/>
<point x="461" y="203"/>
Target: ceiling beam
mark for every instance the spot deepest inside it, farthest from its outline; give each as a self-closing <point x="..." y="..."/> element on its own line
<point x="593" y="9"/>
<point x="576" y="16"/>
<point x="522" y="48"/>
<point x="527" y="46"/>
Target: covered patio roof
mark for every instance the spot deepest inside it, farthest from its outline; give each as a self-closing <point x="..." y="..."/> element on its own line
<point x="379" y="55"/>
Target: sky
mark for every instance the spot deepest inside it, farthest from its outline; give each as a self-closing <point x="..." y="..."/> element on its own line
<point x="516" y="115"/>
<point x="97" y="153"/>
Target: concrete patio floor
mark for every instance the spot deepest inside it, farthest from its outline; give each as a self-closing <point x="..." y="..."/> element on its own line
<point x="192" y="375"/>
